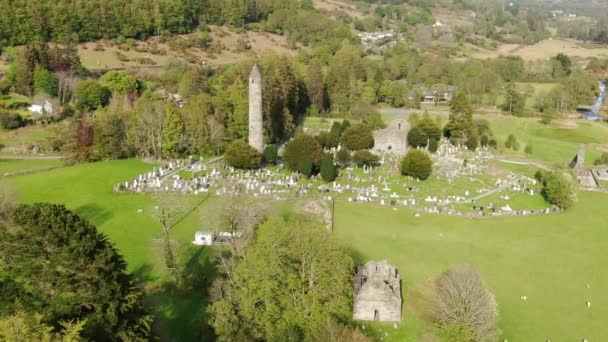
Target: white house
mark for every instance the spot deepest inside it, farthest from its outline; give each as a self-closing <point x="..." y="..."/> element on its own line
<point x="46" y="108"/>
<point x="203" y="238"/>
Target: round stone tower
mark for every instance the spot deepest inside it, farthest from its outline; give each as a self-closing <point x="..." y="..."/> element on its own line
<point x="256" y="118"/>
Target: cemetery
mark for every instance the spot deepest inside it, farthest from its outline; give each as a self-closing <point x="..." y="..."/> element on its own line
<point x="472" y="188"/>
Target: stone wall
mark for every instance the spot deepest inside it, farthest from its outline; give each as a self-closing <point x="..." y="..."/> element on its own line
<point x="377" y="293"/>
<point x="392" y="139"/>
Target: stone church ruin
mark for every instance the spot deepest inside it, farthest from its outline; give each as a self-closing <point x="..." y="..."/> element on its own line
<point x="392" y="139"/>
<point x="377" y="293"/>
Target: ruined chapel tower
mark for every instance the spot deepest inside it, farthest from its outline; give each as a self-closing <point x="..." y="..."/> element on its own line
<point x="256" y="126"/>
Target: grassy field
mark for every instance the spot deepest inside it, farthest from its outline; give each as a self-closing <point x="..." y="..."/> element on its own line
<point x="549" y="259"/>
<point x="545" y="257"/>
<point x="544" y="50"/>
<point x="553" y="144"/>
<point x="87" y="189"/>
<point x="12" y="166"/>
<point x="25" y="136"/>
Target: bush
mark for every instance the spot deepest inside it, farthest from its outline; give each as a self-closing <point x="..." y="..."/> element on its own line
<point x="120" y="82"/>
<point x="462" y="302"/>
<point x="528" y="150"/>
<point x="472" y="142"/>
<point x="365" y="157"/>
<point x="302" y="148"/>
<point x="328" y="169"/>
<point x="358" y="137"/>
<point x="417" y="164"/>
<point x="493" y="143"/>
<point x="345" y="125"/>
<point x="602" y="160"/>
<point x="336" y="129"/>
<point x="91" y="95"/>
<point x="343" y="156"/>
<point x="305" y="167"/>
<point x="11" y="120"/>
<point x="512" y="143"/>
<point x="327" y="140"/>
<point x="416" y="137"/>
<point x="271" y="154"/>
<point x="484" y="141"/>
<point x="559" y="188"/>
<point x="240" y="155"/>
<point x="433" y="145"/>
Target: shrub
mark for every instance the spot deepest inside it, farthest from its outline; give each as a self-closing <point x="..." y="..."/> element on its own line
<point x="373" y="119"/>
<point x="433" y="145"/>
<point x="484" y="141"/>
<point x="305" y="167"/>
<point x="345" y="125"/>
<point x="302" y="147"/>
<point x="365" y="157"/>
<point x="472" y="142"/>
<point x="336" y="129"/>
<point x="91" y="95"/>
<point x="119" y="82"/>
<point x="328" y="169"/>
<point x="327" y="140"/>
<point x="416" y="137"/>
<point x="462" y="302"/>
<point x="271" y="154"/>
<point x="512" y="143"/>
<point x="528" y="150"/>
<point x="343" y="156"/>
<point x="11" y="120"/>
<point x="240" y="155"/>
<point x="358" y="137"/>
<point x="602" y="160"/>
<point x="416" y="164"/>
<point x="493" y="143"/>
<point x="559" y="188"/>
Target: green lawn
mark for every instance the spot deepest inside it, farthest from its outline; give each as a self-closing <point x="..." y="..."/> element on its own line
<point x="556" y="143"/>
<point x="11" y="166"/>
<point x="88" y="189"/>
<point x="549" y="259"/>
<point x="29" y="135"/>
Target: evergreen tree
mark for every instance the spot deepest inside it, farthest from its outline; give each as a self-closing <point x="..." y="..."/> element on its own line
<point x="173" y="130"/>
<point x="315" y="85"/>
<point x="44" y="81"/>
<point x="52" y="246"/>
<point x="460" y="122"/>
<point x="416" y="164"/>
<point x="328" y="169"/>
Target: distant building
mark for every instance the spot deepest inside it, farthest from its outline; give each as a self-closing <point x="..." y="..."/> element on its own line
<point x="367" y="37"/>
<point x="392" y="139"/>
<point x="439" y="94"/>
<point x="377" y="293"/>
<point x="43" y="108"/>
<point x="203" y="238"/>
<point x="586" y="177"/>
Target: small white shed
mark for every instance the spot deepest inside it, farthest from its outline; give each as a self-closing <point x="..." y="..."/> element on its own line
<point x="203" y="238"/>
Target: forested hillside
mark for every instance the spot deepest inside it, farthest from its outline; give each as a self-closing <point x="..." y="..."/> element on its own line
<point x="25" y="21"/>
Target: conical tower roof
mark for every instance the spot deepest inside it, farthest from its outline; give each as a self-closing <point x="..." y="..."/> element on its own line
<point x="255" y="72"/>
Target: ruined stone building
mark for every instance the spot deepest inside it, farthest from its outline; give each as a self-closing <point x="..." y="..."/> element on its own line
<point x="377" y="293"/>
<point x="586" y="177"/>
<point x="256" y="117"/>
<point x="392" y="139"/>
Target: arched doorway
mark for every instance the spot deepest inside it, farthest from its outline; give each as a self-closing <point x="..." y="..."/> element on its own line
<point x="376" y="315"/>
